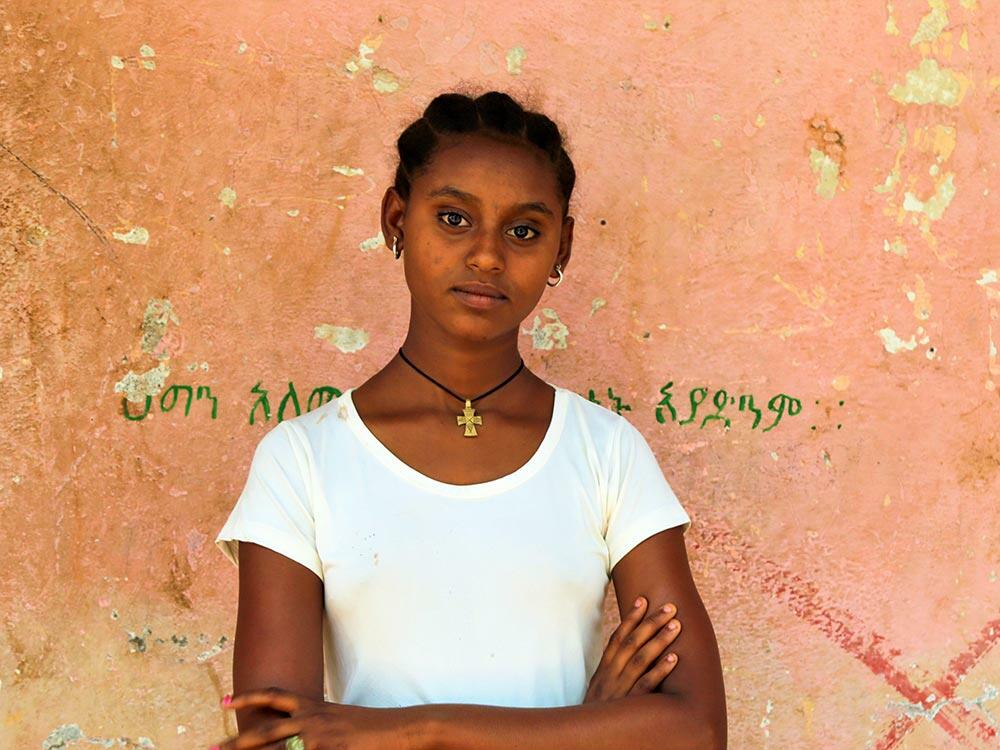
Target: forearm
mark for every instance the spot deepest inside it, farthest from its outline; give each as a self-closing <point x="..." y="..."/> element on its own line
<point x="654" y="721"/>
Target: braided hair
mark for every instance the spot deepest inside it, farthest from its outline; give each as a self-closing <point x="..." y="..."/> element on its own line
<point x="493" y="113"/>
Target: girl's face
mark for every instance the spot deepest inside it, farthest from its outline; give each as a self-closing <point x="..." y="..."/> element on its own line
<point x="482" y="211"/>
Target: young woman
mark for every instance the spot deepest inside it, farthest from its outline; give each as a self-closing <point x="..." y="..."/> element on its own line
<point x="423" y="560"/>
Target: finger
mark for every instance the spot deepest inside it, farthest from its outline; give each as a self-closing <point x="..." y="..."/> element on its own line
<point x="632" y="618"/>
<point x="656" y="646"/>
<point x="263" y="735"/>
<point x="651" y="680"/>
<point x="645" y="630"/>
<point x="277" y="698"/>
<point x="652" y="650"/>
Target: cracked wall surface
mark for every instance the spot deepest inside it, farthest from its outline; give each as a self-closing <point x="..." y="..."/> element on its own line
<point x="786" y="273"/>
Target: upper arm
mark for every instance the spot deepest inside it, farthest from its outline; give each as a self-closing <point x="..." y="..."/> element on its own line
<point x="279" y="636"/>
<point x="657" y="568"/>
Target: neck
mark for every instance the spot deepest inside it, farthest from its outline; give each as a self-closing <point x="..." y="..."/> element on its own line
<point x="468" y="371"/>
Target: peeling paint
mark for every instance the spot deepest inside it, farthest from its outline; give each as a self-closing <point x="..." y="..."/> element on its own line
<point x="827" y="169"/>
<point x="934" y="206"/>
<point x="227" y="196"/>
<point x="932" y="24"/>
<point x="65" y="736"/>
<point x="515" y="58"/>
<point x="348" y="340"/>
<point x="136" y="386"/>
<point x="989" y="277"/>
<point x="915" y="710"/>
<point x="348" y="171"/>
<point x="897" y="246"/>
<point x="596" y="304"/>
<point x="159" y="312"/>
<point x="931" y="84"/>
<point x="893" y="343"/>
<point x="890" y="22"/>
<point x="551" y="335"/>
<point x="384" y="81"/>
<point x="134" y="236"/>
<point x="372" y="242"/>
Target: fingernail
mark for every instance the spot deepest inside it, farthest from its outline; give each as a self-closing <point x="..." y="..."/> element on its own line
<point x="214" y="747"/>
<point x="638" y="602"/>
<point x="226" y="700"/>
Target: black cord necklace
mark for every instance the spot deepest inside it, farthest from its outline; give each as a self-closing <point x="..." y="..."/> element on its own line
<point x="468" y="417"/>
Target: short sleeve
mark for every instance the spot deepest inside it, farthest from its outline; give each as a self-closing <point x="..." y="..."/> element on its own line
<point x="275" y="509"/>
<point x="640" y="500"/>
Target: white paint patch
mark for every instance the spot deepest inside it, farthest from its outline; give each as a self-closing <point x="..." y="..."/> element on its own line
<point x="384" y="80"/>
<point x="551" y="335"/>
<point x="147" y="52"/>
<point x="989" y="277"/>
<point x="348" y="171"/>
<point x="66" y="735"/>
<point x="828" y="172"/>
<point x="914" y="710"/>
<point x="596" y="304"/>
<point x="134" y="236"/>
<point x="348" y="340"/>
<point x="372" y="242"/>
<point x="227" y="196"/>
<point x="292" y="212"/>
<point x="136" y="386"/>
<point x="932" y="24"/>
<point x="935" y="205"/>
<point x="117" y="62"/>
<point x="893" y="343"/>
<point x="929" y="84"/>
<point x="515" y="58"/>
<point x="897" y="246"/>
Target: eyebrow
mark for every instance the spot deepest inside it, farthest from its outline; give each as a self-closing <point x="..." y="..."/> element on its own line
<point x="462" y="195"/>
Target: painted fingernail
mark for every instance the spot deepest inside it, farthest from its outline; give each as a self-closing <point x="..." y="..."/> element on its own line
<point x="667" y="607"/>
<point x="227" y="699"/>
<point x="214" y="747"/>
<point x="638" y="602"/>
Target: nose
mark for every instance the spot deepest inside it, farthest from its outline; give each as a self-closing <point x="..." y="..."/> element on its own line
<point x="487" y="252"/>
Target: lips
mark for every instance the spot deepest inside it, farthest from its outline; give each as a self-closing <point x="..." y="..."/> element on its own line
<point x="484" y="290"/>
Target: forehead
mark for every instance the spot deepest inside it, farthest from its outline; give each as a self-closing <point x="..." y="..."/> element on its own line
<point x="491" y="169"/>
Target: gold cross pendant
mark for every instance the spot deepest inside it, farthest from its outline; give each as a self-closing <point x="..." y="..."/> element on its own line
<point x="470" y="420"/>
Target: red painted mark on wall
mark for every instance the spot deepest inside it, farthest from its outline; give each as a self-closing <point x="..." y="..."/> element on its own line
<point x="804" y="598"/>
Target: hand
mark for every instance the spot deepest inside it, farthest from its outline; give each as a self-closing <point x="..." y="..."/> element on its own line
<point x="632" y="648"/>
<point x="320" y="724"/>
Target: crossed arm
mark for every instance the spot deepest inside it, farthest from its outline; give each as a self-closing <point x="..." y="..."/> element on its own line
<point x="687" y="710"/>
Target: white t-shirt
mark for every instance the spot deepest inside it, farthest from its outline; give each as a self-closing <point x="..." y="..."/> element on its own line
<point x="486" y="593"/>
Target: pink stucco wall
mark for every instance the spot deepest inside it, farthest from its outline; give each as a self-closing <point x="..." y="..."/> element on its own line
<point x="793" y="202"/>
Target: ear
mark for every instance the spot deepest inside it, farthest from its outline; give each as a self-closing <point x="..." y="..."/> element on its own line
<point x="565" y="243"/>
<point x="393" y="214"/>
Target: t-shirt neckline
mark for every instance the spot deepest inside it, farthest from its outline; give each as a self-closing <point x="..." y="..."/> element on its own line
<point x="479" y="489"/>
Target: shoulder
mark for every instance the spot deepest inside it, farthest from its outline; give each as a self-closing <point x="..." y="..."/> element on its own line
<point x="599" y="425"/>
<point x="311" y="429"/>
